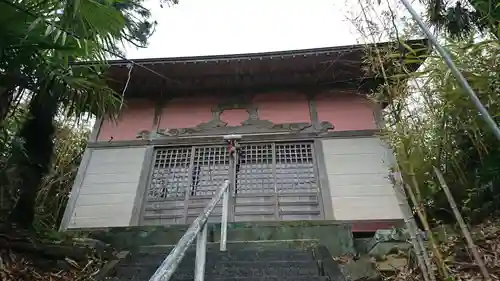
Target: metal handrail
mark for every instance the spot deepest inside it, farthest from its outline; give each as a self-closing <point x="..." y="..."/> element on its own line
<point x="197" y="230"/>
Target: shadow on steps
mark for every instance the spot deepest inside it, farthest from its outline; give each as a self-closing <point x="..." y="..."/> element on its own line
<point x="242" y="261"/>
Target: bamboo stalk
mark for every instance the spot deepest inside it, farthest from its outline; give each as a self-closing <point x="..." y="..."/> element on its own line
<point x="421" y="213"/>
<point x="462" y="224"/>
<point x="413" y="178"/>
<point x="435" y="250"/>
<point x="422" y="256"/>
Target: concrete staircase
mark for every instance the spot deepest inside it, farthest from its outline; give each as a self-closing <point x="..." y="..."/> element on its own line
<point x="287" y="250"/>
<point x="242" y="261"/>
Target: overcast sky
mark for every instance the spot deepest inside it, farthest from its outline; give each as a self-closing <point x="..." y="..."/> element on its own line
<point x="211" y="27"/>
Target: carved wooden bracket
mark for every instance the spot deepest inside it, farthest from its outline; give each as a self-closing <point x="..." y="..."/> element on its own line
<point x="261" y="126"/>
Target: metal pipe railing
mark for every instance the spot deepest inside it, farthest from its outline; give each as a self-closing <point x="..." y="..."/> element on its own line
<point x="197" y="230"/>
<point x="201" y="252"/>
<point x="224" y="219"/>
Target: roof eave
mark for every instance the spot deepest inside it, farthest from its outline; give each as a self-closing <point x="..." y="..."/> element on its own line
<point x="250" y="56"/>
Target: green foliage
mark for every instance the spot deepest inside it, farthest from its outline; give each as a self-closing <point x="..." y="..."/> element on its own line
<point x="10" y="145"/>
<point x="438" y="125"/>
<point x="69" y="144"/>
<point x="43" y="47"/>
<point x="460" y="19"/>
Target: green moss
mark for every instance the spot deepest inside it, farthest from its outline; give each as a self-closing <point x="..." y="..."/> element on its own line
<point x="335" y="236"/>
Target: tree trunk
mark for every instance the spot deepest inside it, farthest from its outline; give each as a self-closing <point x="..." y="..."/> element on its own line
<point x="6" y="96"/>
<point x="37" y="132"/>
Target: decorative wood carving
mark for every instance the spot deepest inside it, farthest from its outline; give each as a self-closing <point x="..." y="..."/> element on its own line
<point x="325" y="126"/>
<point x="252" y="125"/>
<point x="144" y="134"/>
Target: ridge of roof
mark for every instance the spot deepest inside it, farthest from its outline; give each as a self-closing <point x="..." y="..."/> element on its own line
<point x="259" y="55"/>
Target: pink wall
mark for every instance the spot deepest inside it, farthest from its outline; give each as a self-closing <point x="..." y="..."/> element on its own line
<point x="136" y="115"/>
<point x="234" y="117"/>
<point x="187" y="112"/>
<point x="283" y="107"/>
<point x="278" y="108"/>
<point x="346" y="111"/>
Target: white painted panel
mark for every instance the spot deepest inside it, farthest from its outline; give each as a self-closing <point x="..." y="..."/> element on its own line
<point x="112" y="168"/>
<point x="110" y="155"/>
<point x="359" y="179"/>
<point x="359" y="145"/>
<point x="102" y="211"/>
<point x="106" y="178"/>
<point x="100" y="222"/>
<point x="106" y="188"/>
<point x="362" y="190"/>
<point x="357" y="171"/>
<point x="100" y="199"/>
<point x="106" y="197"/>
<point x="355" y="164"/>
<point x="366" y="208"/>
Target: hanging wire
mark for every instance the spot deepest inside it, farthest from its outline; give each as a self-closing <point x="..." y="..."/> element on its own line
<point x="130" y="67"/>
<point x="451" y="65"/>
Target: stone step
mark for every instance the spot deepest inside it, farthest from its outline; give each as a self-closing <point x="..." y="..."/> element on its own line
<point x="262" y="269"/>
<point x="237" y="245"/>
<point x="337" y="237"/>
<point x="232" y="255"/>
<point x="321" y="278"/>
<point x="228" y="270"/>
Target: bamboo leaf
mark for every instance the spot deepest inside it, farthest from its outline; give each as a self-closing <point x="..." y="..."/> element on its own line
<point x="34" y="24"/>
<point x="56" y="37"/>
<point x="49" y="30"/>
<point x="63" y="38"/>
